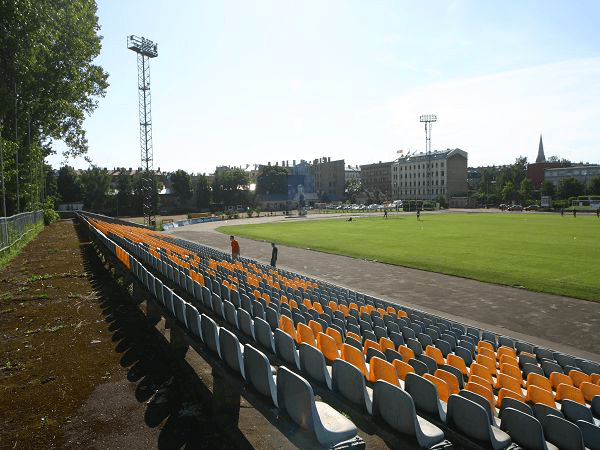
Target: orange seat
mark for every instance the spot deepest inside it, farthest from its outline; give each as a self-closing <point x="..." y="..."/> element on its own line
<point x="539" y="380"/>
<point x="353" y="335"/>
<point x="449" y="378"/>
<point x="353" y="306"/>
<point x="503" y="350"/>
<point x="370" y="344"/>
<point x="566" y="391"/>
<point x="557" y="378"/>
<point x="333" y="305"/>
<point x="386" y="343"/>
<point x="484" y="344"/>
<point x="380" y="369"/>
<point x="283" y="299"/>
<point x="482" y="371"/>
<point x="442" y="387"/>
<point x="355" y="357"/>
<point x="503" y="393"/>
<point x="536" y="394"/>
<point x="595" y="378"/>
<point x="487" y="362"/>
<point x="344" y="310"/>
<point x="507" y="382"/>
<point x="293" y="304"/>
<point x="287" y="325"/>
<point x="479" y="380"/>
<point x="305" y="334"/>
<point x="390" y="310"/>
<point x="406" y="353"/>
<point x="513" y="371"/>
<point x="381" y="311"/>
<point x="456" y="361"/>
<point x="589" y="390"/>
<point x="318" y="308"/>
<point x="315" y="327"/>
<point x="579" y="377"/>
<point x="335" y="334"/>
<point x="485" y="392"/>
<point x="266" y="297"/>
<point x="328" y="347"/>
<point x="487" y="352"/>
<point x="436" y="354"/>
<point x="402" y="313"/>
<point x="507" y="359"/>
<point x="402" y="368"/>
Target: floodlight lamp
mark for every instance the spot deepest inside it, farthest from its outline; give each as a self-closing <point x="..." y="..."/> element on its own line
<point x="428" y="118"/>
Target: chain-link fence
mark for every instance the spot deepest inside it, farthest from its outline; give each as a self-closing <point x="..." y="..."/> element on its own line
<point x="13" y="228"/>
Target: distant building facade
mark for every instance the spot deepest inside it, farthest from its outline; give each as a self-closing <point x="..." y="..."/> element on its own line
<point x="329" y="178"/>
<point x="535" y="171"/>
<point x="582" y="173"/>
<point x="427" y="176"/>
<point x="377" y="176"/>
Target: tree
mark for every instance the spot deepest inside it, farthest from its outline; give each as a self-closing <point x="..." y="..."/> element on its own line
<point x="69" y="189"/>
<point x="228" y="186"/>
<point x="95" y="183"/>
<point x="570" y="187"/>
<point x="203" y="192"/>
<point x="548" y="188"/>
<point x="125" y="194"/>
<point x="138" y="192"/>
<point x="182" y="184"/>
<point x="272" y="181"/>
<point x="526" y="190"/>
<point x="48" y="85"/>
<point x="353" y="188"/>
<point x="595" y="186"/>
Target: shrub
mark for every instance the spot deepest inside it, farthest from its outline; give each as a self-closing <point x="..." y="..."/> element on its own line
<point x="50" y="215"/>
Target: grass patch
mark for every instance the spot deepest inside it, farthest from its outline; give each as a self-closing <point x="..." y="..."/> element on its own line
<point x="8" y="255"/>
<point x="540" y="252"/>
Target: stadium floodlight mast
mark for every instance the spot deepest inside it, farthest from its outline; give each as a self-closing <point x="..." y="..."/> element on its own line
<point x="428" y="119"/>
<point x="145" y="50"/>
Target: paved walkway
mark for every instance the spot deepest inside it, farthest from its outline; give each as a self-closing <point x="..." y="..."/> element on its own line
<point x="561" y="323"/>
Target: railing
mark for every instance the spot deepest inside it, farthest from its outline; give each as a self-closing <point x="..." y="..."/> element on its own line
<point x="13" y="228"/>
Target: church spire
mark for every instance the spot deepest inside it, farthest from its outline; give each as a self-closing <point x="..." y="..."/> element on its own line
<point x="540" y="157"/>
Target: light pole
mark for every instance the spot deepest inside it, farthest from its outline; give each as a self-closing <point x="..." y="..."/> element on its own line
<point x="428" y="119"/>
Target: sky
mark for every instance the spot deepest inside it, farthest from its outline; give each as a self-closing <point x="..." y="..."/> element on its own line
<point x="243" y="82"/>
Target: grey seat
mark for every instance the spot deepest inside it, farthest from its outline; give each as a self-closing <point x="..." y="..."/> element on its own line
<point x="588" y="367"/>
<point x="285" y="348"/>
<point x="168" y="298"/>
<point x="313" y="364"/>
<point x="217" y="305"/>
<point x="531" y="368"/>
<point x="541" y="413"/>
<point x="424" y="339"/>
<point x="210" y="334"/>
<point x="419" y="366"/>
<point x="192" y="317"/>
<point x="425" y="395"/>
<point x="397" y="409"/>
<point x="524" y="430"/>
<point x="527" y="359"/>
<point x="472" y="420"/>
<point x="456" y="372"/>
<point x="465" y="354"/>
<point x="429" y="362"/>
<point x="179" y="309"/>
<point x="263" y="334"/>
<point x="543" y="353"/>
<point x="415" y="346"/>
<point x="349" y="381"/>
<point x="565" y="360"/>
<point x="506" y="341"/>
<point x="524" y="347"/>
<point x="354" y="343"/>
<point x="272" y="317"/>
<point x="246" y="303"/>
<point x="591" y="434"/>
<point x="408" y="333"/>
<point x="444" y="347"/>
<point x="374" y="352"/>
<point x="481" y="401"/>
<point x="380" y="332"/>
<point x="574" y="411"/>
<point x="396" y="338"/>
<point x="489" y="337"/>
<point x="259" y="372"/>
<point x="296" y="398"/>
<point x="369" y="335"/>
<point x="230" y="313"/>
<point x="595" y="406"/>
<point x="207" y="297"/>
<point x="391" y="354"/>
<point x="258" y="310"/>
<point x="246" y="323"/>
<point x="231" y="351"/>
<point x="562" y="433"/>
<point x="550" y="366"/>
<point x="513" y="403"/>
<point x="197" y="292"/>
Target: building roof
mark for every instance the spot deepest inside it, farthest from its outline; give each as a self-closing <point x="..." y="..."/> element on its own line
<point x="540" y="156"/>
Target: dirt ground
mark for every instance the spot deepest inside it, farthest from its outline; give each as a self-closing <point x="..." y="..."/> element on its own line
<point x="79" y="365"/>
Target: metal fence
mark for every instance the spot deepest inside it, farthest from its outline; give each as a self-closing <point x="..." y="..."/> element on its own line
<point x="13" y="228"/>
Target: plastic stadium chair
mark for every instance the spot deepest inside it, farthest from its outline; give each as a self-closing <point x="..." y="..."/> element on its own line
<point x="550" y="366"/>
<point x="507" y="382"/>
<point x="312" y="363"/>
<point x="305" y="335"/>
<point x="465" y="354"/>
<point x="591" y="434"/>
<point x="542" y="411"/>
<point x="472" y="420"/>
<point x="348" y="380"/>
<point x="536" y="394"/>
<point x="371" y="352"/>
<point x="513" y="371"/>
<point x="524" y="430"/>
<point x="562" y="433"/>
<point x="565" y="391"/>
<point x="483" y="402"/>
<point x="531" y="368"/>
<point x="504" y="393"/>
<point x="354" y="356"/>
<point x="458" y="362"/>
<point x="192" y="317"/>
<point x="441" y="385"/>
<point x="589" y="390"/>
<point x="450" y="379"/>
<point x="246" y="323"/>
<point x="484" y="391"/>
<point x="574" y="411"/>
<point x="380" y="369"/>
<point x="285" y="348"/>
<point x="419" y="366"/>
<point x="407" y="353"/>
<point x="436" y="354"/>
<point x="336" y="335"/>
<point x="457" y="374"/>
<point x="264" y="336"/>
<point x="557" y="378"/>
<point x="231" y="351"/>
<point x="482" y="372"/>
<point x="579" y="377"/>
<point x="327" y="345"/>
<point x="425" y="396"/>
<point x="230" y="314"/>
<point x="397" y="409"/>
<point x="296" y="398"/>
<point x="487" y="362"/>
<point x="510" y="402"/>
<point x="402" y="368"/>
<point x="210" y="334"/>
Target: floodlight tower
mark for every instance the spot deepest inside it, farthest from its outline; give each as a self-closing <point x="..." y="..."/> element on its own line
<point x="428" y="119"/>
<point x="145" y="50"/>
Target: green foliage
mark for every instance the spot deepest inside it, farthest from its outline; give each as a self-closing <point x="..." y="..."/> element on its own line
<point x="203" y="192"/>
<point x="228" y="186"/>
<point x="182" y="185"/>
<point x="68" y="187"/>
<point x="570" y="187"/>
<point x="548" y="188"/>
<point x="95" y="183"/>
<point x="542" y="252"/>
<point x="50" y="215"/>
<point x="272" y="181"/>
<point x="595" y="186"/>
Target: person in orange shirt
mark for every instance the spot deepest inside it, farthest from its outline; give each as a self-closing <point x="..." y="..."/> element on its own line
<point x="235" y="248"/>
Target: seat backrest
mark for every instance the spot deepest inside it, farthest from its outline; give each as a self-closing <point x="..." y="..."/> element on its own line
<point x="574" y="411"/>
<point x="442" y="387"/>
<point x="484" y="391"/>
<point x="539" y="380"/>
<point x="468" y="417"/>
<point x="245" y="322"/>
<point x="591" y="434"/>
<point x="264" y="336"/>
<point x="210" y="333"/>
<point x="488" y="362"/>
<point x="542" y="411"/>
<point x="305" y="334"/>
<point x="287" y="326"/>
<point x="192" y="318"/>
<point x="354" y="356"/>
<point x="465" y="354"/>
<point x="557" y="378"/>
<point x="407" y="353"/>
<point x="458" y="362"/>
<point x="562" y="433"/>
<point x="450" y="379"/>
<point x="230" y="350"/>
<point x="230" y="313"/>
<point x="578" y="377"/>
<point x="295" y="397"/>
<point x="272" y="317"/>
<point x="481" y="401"/>
<point x="402" y="368"/>
<point x="395" y="406"/>
<point x="506" y="381"/>
<point x="258" y="372"/>
<point x="348" y="380"/>
<point x="510" y="402"/>
<point x="312" y="363"/>
<point x="380" y="369"/>
<point x="335" y="334"/>
<point x="423" y="392"/>
<point x="482" y="372"/>
<point x="285" y="348"/>
<point x="327" y="345"/>
<point x="524" y="429"/>
<point x="589" y="390"/>
<point x="436" y="354"/>
<point x="566" y="391"/>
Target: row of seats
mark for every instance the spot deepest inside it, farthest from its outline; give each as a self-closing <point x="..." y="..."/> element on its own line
<point x="330" y="330"/>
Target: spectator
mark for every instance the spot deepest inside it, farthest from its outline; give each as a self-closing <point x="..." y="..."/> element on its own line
<point x="273" y="255"/>
<point x="235" y="248"/>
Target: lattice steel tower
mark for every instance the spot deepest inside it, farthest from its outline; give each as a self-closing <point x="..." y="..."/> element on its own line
<point x="145" y="50"/>
<point x="428" y="119"/>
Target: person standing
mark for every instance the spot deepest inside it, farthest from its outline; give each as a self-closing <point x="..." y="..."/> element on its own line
<point x="384" y="213"/>
<point x="418" y="213"/>
<point x="235" y="248"/>
<point x="273" y="255"/>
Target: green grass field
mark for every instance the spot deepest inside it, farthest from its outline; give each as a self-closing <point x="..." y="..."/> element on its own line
<point x="540" y="252"/>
